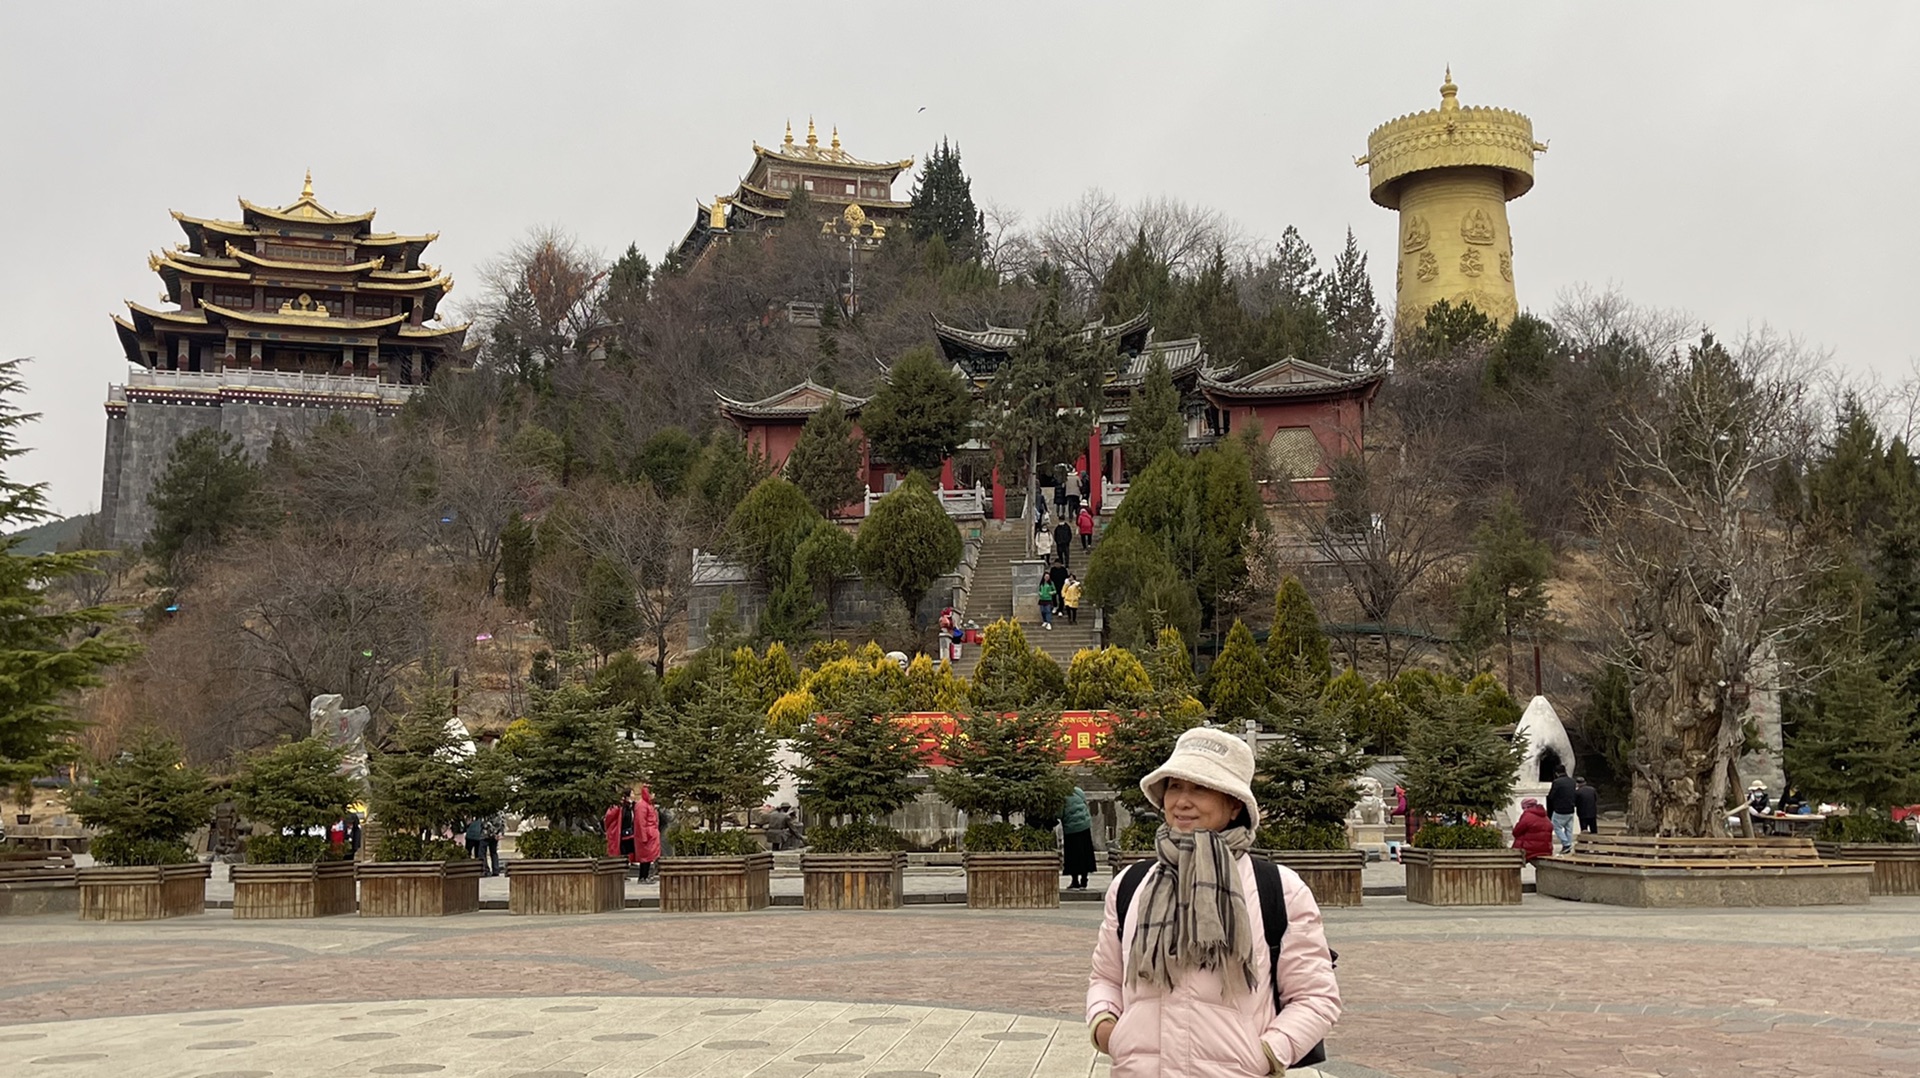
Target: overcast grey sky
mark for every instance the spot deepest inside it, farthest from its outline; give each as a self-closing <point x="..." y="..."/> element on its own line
<point x="1747" y="162"/>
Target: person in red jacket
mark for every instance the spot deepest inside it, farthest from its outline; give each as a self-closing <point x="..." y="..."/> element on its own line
<point x="646" y="834"/>
<point x="1085" y="524"/>
<point x="1533" y="831"/>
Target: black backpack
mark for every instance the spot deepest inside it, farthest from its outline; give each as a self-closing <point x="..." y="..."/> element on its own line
<point x="1273" y="917"/>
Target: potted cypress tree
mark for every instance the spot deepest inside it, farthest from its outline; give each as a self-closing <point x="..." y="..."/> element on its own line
<point x="1459" y="768"/>
<point x="1305" y="784"/>
<point x="1002" y="765"/>
<point x="294" y="789"/>
<point x="857" y="768"/>
<point x="1857" y="744"/>
<point x="146" y="801"/>
<point x="711" y="758"/>
<point x="566" y="762"/>
<point x="423" y="785"/>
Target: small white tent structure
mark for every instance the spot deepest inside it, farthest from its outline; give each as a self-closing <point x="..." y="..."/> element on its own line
<point x="1547" y="748"/>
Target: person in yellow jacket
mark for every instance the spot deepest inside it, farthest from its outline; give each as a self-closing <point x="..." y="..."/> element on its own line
<point x="1070" y="599"/>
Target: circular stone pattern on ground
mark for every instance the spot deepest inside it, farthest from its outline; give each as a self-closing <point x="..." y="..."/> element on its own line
<point x="219" y="1046"/>
<point x="733" y="1046"/>
<point x="73" y="1057"/>
<point x="354" y="1038"/>
<point x="408" y="1068"/>
<point x="829" y="1057"/>
<point x="621" y="1038"/>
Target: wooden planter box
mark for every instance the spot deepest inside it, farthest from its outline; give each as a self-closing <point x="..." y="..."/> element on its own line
<point x="854" y="881"/>
<point x="1334" y="876"/>
<point x="1013" y="881"/>
<point x="1463" y="877"/>
<point x="715" y="884"/>
<point x="419" y="888"/>
<point x="1896" y="868"/>
<point x="32" y="883"/>
<point x="143" y="892"/>
<point x="284" y="891"/>
<point x="539" y="885"/>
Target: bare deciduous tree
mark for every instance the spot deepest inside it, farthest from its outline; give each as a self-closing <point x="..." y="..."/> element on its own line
<point x="649" y="540"/>
<point x="1711" y="580"/>
<point x="1085" y="236"/>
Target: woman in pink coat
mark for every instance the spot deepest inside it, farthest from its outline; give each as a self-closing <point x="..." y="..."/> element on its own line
<point x="1184" y="988"/>
<point x="646" y="833"/>
<point x="1533" y="831"/>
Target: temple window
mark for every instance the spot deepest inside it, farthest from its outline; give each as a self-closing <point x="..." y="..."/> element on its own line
<point x="809" y="185"/>
<point x="1295" y="453"/>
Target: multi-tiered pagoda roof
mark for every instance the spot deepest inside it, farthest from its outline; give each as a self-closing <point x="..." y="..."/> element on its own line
<point x="297" y="288"/>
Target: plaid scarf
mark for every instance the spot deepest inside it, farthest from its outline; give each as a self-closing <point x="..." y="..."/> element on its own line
<point x="1193" y="915"/>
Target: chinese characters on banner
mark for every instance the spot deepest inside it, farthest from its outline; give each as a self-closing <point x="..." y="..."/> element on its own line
<point x="1080" y="731"/>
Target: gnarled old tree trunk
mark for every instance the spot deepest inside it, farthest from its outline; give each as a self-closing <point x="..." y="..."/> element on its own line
<point x="1688" y="732"/>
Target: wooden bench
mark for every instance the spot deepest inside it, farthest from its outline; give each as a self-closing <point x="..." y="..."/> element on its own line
<point x="1630" y="870"/>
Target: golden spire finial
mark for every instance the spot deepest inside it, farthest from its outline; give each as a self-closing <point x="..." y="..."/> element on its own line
<point x="1449" y="93"/>
<point x="306" y="189"/>
<point x="789" y="139"/>
<point x="836" y="136"/>
<point x="813" y="140"/>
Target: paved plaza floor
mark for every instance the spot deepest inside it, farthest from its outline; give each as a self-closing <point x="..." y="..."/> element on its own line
<point x="1548" y="988"/>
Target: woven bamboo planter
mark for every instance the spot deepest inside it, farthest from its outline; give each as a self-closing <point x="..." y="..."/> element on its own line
<point x="1896" y="868"/>
<point x="1334" y="876"/>
<point x="547" y="885"/>
<point x="715" y="884"/>
<point x="419" y="888"/>
<point x="1013" y="881"/>
<point x="287" y="891"/>
<point x="854" y="881"/>
<point x="1462" y="877"/>
<point x="143" y="892"/>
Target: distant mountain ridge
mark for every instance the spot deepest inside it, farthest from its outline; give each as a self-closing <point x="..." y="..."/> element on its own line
<point x="46" y="537"/>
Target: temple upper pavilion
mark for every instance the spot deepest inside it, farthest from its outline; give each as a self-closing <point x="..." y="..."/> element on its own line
<point x="852" y="197"/>
<point x="276" y="320"/>
<point x="1304" y="415"/>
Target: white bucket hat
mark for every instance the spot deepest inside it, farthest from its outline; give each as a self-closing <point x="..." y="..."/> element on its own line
<point x="1756" y="784"/>
<point x="1212" y="758"/>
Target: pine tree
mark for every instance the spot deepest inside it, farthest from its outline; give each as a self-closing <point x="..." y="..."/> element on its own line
<point x="566" y="761"/>
<point x="1505" y="590"/>
<point x="147" y="800"/>
<point x="1304" y="780"/>
<point x="825" y="462"/>
<point x="1107" y="678"/>
<point x="1457" y="765"/>
<point x="1156" y="426"/>
<point x="517" y="548"/>
<point x="208" y="493"/>
<point x="1136" y="281"/>
<point x="1012" y="674"/>
<point x="1045" y="397"/>
<point x="296" y="786"/>
<point x="1170" y="665"/>
<point x="1003" y="763"/>
<point x="943" y="205"/>
<point x="712" y="756"/>
<point x="423" y="780"/>
<point x="1238" y="684"/>
<point x="767" y="526"/>
<point x="908" y="542"/>
<point x="857" y="767"/>
<point x="607" y="619"/>
<point x="1858" y="742"/>
<point x="44" y="655"/>
<point x="822" y="559"/>
<point x="1608" y="723"/>
<point x="1523" y="357"/>
<point x="920" y="415"/>
<point x="1353" y="316"/>
<point x="629" y="277"/>
<point x="1296" y="648"/>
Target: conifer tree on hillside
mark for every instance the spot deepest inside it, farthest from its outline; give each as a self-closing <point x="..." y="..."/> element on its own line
<point x="919" y="415"/>
<point x="1012" y="673"/>
<point x="1238" y="685"/>
<point x="825" y="462"/>
<point x="943" y="205"/>
<point x="1358" y="329"/>
<point x="711" y="756"/>
<point x="1156" y="426"/>
<point x="1297" y="650"/>
<point x="1136" y="281"/>
<point x="908" y="542"/>
<point x="44" y="655"/>
<point x="1045" y="397"/>
<point x="1505" y="591"/>
<point x="207" y="495"/>
<point x="1858" y="742"/>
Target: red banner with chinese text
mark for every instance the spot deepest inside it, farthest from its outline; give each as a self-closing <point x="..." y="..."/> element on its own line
<point x="1080" y="731"/>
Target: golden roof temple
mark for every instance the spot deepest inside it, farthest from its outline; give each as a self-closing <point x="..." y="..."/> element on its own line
<point x="1450" y="172"/>
<point x="297" y="289"/>
<point x="852" y="197"/>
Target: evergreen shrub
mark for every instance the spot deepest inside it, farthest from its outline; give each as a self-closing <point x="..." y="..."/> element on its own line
<point x="415" y="848"/>
<point x="1302" y="836"/>
<point x="294" y="787"/>
<point x="999" y="837"/>
<point x="147" y="800"/>
<point x="548" y="842"/>
<point x="292" y="850"/>
<point x="860" y="836"/>
<point x="1140" y="834"/>
<point x="1870" y="827"/>
<point x="1459" y="836"/>
<point x="690" y="843"/>
<point x="125" y="850"/>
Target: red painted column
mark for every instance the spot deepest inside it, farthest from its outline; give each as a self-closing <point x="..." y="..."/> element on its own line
<point x="946" y="474"/>
<point x="999" y="496"/>
<point x="1093" y="469"/>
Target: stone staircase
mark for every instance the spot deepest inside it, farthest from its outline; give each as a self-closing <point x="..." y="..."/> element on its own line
<point x="991" y="598"/>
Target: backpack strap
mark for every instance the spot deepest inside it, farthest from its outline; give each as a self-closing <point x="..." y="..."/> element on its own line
<point x="1273" y="921"/>
<point x="1124" y="885"/>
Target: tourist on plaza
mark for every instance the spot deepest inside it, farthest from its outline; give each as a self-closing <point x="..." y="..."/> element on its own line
<point x="1533" y="832"/>
<point x="1046" y="603"/>
<point x="1560" y="806"/>
<point x="1085" y="524"/>
<point x="491" y="829"/>
<point x="1586" y="805"/>
<point x="1062" y="541"/>
<point x="1070" y="599"/>
<point x="618" y="826"/>
<point x="476" y="841"/>
<point x="1076" y="835"/>
<point x="783" y="830"/>
<point x="1183" y="981"/>
<point x="1757" y="798"/>
<point x="646" y="834"/>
